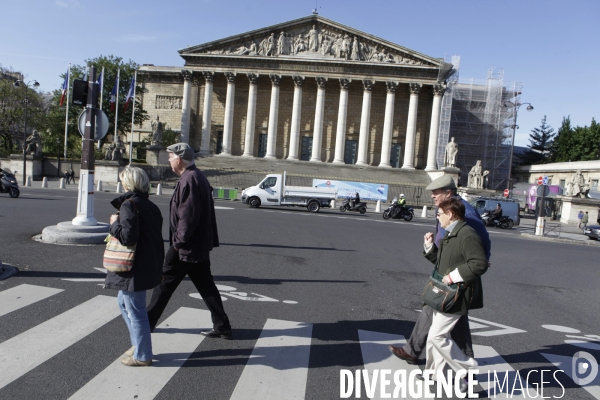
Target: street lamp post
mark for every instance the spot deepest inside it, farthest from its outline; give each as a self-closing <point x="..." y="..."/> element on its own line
<point x="58" y="156"/>
<point x="20" y="83"/>
<point x="515" y="107"/>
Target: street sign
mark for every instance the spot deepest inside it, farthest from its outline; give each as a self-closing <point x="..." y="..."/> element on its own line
<point x="506" y="192"/>
<point x="541" y="180"/>
<point x="543" y="190"/>
<point x="101" y="123"/>
<point x="545" y="181"/>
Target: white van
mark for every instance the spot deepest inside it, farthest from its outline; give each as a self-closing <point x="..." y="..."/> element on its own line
<point x="509" y="208"/>
<point x="272" y="191"/>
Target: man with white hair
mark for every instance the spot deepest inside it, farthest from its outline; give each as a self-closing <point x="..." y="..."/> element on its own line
<point x="192" y="235"/>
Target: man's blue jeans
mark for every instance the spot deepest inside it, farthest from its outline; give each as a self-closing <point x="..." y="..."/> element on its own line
<point x="133" y="308"/>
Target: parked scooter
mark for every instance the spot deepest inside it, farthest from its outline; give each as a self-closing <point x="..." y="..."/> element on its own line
<point x="396" y="211"/>
<point x="360" y="207"/>
<point x="8" y="183"/>
<point x="503" y="222"/>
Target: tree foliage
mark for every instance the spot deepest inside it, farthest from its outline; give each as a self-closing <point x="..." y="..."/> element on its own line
<point x="540" y="144"/>
<point x="12" y="111"/>
<point x="576" y="143"/>
<point x="111" y="64"/>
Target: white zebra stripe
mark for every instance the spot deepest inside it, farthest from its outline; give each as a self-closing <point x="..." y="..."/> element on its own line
<point x="23" y="295"/>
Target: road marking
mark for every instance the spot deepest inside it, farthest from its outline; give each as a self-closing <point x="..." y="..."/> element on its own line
<point x="278" y="366"/>
<point x="566" y="364"/>
<point x="224" y="208"/>
<point x="26" y="351"/>
<point x="23" y="295"/>
<point x="491" y="362"/>
<point x="505" y="330"/>
<point x="173" y="342"/>
<point x="377" y="356"/>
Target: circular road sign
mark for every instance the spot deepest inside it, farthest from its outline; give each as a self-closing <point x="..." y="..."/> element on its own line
<point x="543" y="190"/>
<point x="101" y="123"/>
<point x="506" y="192"/>
<point x="540" y="180"/>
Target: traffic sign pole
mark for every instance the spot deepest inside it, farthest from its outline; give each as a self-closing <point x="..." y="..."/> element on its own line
<point x="85" y="197"/>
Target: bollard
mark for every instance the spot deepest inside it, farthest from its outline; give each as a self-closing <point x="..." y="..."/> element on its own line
<point x="119" y="188"/>
<point x="333" y="203"/>
<point x="45" y="182"/>
<point x="378" y="206"/>
<point x="424" y="212"/>
<point x="99" y="186"/>
<point x="539" y="226"/>
<point x="159" y="190"/>
<point x="62" y="183"/>
<point x="28" y="181"/>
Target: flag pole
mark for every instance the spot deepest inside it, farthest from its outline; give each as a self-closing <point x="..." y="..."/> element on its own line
<point x="67" y="114"/>
<point x="132" y="117"/>
<point x="117" y="103"/>
<point x="101" y="97"/>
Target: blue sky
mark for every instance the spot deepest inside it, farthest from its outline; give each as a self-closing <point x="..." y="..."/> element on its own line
<point x="549" y="45"/>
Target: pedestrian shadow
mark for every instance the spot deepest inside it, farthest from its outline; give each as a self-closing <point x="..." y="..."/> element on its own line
<point x="276" y="246"/>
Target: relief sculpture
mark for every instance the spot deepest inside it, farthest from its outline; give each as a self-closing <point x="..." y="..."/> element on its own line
<point x="327" y="42"/>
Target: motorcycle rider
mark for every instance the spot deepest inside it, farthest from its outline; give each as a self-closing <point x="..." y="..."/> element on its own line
<point x="356" y="200"/>
<point x="401" y="203"/>
<point x="497" y="213"/>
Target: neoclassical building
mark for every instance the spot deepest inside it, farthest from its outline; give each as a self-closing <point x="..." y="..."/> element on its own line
<point x="309" y="89"/>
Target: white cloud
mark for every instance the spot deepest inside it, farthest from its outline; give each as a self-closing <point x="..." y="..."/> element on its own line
<point x="67" y="3"/>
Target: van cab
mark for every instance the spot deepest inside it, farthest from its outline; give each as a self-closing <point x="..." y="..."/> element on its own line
<point x="509" y="208"/>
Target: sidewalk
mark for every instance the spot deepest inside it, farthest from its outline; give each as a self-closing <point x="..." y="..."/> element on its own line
<point x="556" y="231"/>
<point x="167" y="190"/>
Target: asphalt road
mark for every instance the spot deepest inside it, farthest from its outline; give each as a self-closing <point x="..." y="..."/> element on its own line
<point x="338" y="275"/>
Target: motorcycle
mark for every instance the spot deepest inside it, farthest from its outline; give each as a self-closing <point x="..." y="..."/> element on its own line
<point x="8" y="183"/>
<point x="398" y="212"/>
<point x="358" y="207"/>
<point x="503" y="222"/>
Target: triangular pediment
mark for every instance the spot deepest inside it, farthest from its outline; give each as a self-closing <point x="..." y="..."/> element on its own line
<point x="313" y="38"/>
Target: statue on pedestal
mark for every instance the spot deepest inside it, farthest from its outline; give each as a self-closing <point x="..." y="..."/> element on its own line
<point x="576" y="187"/>
<point x="451" y="152"/>
<point x="476" y="176"/>
<point x="115" y="151"/>
<point x="33" y="144"/>
<point x="157" y="132"/>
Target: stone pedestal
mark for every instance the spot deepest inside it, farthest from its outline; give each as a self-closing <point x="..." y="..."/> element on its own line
<point x="67" y="233"/>
<point x="34" y="166"/>
<point x="156" y="155"/>
<point x="572" y="205"/>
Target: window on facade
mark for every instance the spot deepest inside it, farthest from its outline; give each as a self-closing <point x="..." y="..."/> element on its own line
<point x="595" y="185"/>
<point x="562" y="183"/>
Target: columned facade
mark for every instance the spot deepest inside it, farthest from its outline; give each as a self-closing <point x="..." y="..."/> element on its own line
<point x="385" y="114"/>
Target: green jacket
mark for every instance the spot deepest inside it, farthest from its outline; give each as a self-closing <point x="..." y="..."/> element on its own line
<point x="585" y="218"/>
<point x="462" y="249"/>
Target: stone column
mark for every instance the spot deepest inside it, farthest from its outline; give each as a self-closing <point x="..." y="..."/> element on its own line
<point x="411" y="126"/>
<point x="207" y="112"/>
<point x="228" y="120"/>
<point x="438" y="93"/>
<point x="340" y="134"/>
<point x="388" y="122"/>
<point x="273" y="114"/>
<point x="186" y="105"/>
<point x="319" y="111"/>
<point x="250" y="116"/>
<point x="296" y="111"/>
<point x="365" y="119"/>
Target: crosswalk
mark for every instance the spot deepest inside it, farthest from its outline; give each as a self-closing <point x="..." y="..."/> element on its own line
<point x="278" y="367"/>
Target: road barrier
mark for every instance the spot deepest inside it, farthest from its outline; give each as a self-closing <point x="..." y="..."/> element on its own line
<point x="222" y="193"/>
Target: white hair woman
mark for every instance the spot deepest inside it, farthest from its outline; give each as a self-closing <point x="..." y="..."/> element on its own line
<point x="138" y="222"/>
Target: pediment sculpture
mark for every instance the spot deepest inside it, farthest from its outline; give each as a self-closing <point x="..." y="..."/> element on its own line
<point x="317" y="42"/>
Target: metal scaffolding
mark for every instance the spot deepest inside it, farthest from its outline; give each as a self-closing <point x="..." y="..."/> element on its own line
<point x="482" y="126"/>
<point x="446" y="111"/>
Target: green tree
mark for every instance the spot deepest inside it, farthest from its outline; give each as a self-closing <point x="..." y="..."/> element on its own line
<point x="576" y="144"/>
<point x="12" y="111"/>
<point x="111" y="64"/>
<point x="540" y="144"/>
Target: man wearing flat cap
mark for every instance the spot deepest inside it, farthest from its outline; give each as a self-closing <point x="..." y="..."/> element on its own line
<point x="192" y="235"/>
<point x="441" y="189"/>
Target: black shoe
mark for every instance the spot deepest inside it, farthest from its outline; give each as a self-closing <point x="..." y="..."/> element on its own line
<point x="217" y="334"/>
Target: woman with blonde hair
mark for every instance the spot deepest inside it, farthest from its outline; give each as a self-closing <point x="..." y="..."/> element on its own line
<point x="138" y="222"/>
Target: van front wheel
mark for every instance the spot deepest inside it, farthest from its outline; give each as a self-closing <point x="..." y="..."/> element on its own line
<point x="254" y="202"/>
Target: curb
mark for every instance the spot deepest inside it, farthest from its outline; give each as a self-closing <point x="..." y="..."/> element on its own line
<point x="571" y="241"/>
